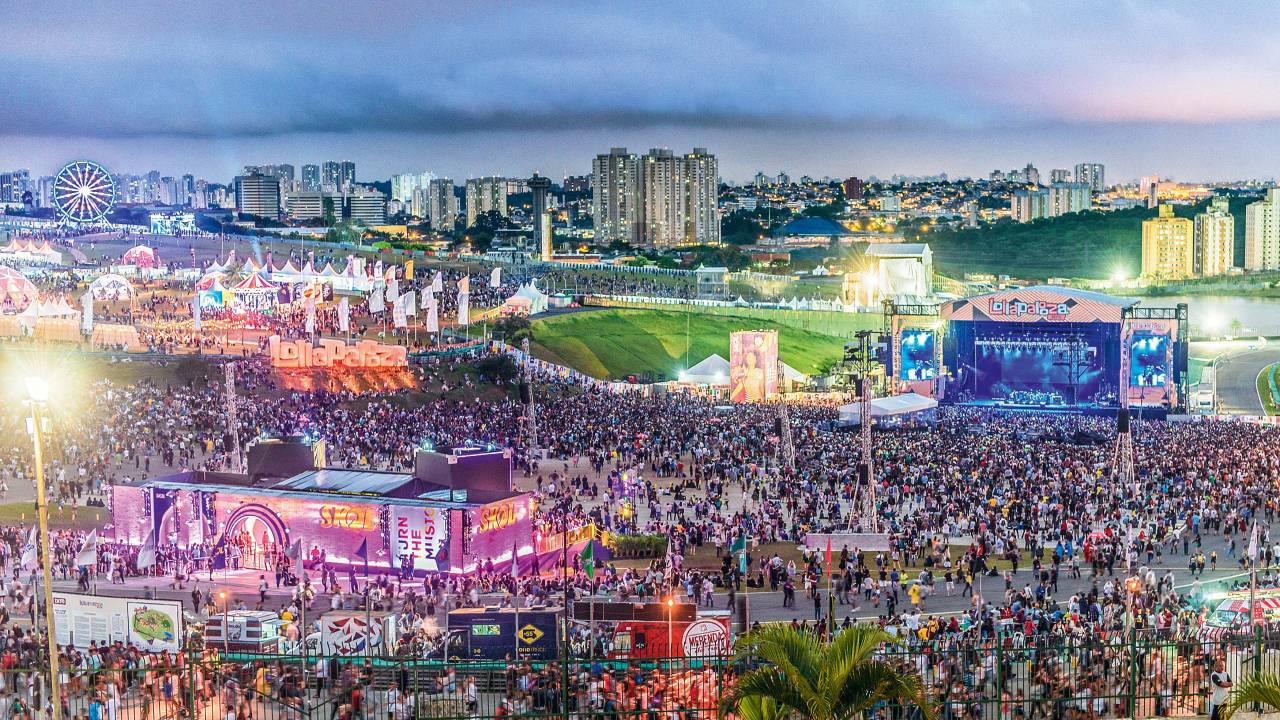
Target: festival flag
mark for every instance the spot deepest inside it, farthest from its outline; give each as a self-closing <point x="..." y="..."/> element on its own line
<point x="515" y="561"/>
<point x="376" y="303"/>
<point x="495" y="277"/>
<point x="828" y="556"/>
<point x="147" y="553"/>
<point x="362" y="552"/>
<point x="30" y="551"/>
<point x="410" y="304"/>
<point x="408" y="269"/>
<point x="271" y="266"/>
<point x="671" y="555"/>
<point x="86" y="322"/>
<point x="88" y="554"/>
<point x="295" y="551"/>
<point x="464" y="307"/>
<point x="377" y="270"/>
<point x="311" y="315"/>
<point x="588" y="558"/>
<point x="433" y="316"/>
<point x="195" y="312"/>
<point x="464" y="285"/>
<point x="424" y="298"/>
<point x="393" y="290"/>
<point x="390" y="273"/>
<point x="344" y="315"/>
<point x="398" y="318"/>
<point x="437" y="283"/>
<point x="1253" y="544"/>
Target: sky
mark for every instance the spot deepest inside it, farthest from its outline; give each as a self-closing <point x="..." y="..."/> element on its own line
<point x="1180" y="89"/>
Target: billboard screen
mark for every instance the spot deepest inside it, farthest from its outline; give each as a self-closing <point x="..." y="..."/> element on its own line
<point x="1149" y="346"/>
<point x="753" y="366"/>
<point x="916" y="360"/>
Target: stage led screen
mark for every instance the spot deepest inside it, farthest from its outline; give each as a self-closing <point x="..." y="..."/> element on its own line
<point x="753" y="366"/>
<point x="1148" y="360"/>
<point x="916" y="359"/>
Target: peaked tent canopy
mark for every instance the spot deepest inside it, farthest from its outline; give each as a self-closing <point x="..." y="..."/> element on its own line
<point x="713" y="370"/>
<point x="141" y="256"/>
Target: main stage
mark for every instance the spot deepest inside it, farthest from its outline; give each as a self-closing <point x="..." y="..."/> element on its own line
<point x="1040" y="348"/>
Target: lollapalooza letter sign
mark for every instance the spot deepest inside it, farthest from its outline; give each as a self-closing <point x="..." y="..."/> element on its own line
<point x="336" y="354"/>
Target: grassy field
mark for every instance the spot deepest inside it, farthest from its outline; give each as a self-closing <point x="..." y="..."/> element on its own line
<point x="615" y="343"/>
<point x="1269" y="376"/>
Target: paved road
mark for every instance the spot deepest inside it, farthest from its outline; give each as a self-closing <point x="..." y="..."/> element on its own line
<point x="1237" y="379"/>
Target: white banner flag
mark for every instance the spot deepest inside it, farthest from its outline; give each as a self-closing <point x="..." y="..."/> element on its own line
<point x="86" y="320"/>
<point x="433" y="316"/>
<point x="311" y="315"/>
<point x="147" y="553"/>
<point x="195" y="312"/>
<point x="30" y="551"/>
<point x="377" y="270"/>
<point x="88" y="554"/>
<point x="397" y="313"/>
<point x="495" y="277"/>
<point x="464" y="285"/>
<point x="393" y="290"/>
<point x="344" y="315"/>
<point x="464" y="300"/>
<point x="437" y="283"/>
<point x="376" y="303"/>
<point x="410" y="304"/>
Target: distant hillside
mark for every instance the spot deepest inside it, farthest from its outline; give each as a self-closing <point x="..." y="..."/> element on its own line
<point x="1082" y="245"/>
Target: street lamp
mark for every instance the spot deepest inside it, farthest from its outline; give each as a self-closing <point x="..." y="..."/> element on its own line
<point x="38" y="392"/>
<point x="671" y="608"/>
<point x="1131" y="585"/>
<point x="226" y="626"/>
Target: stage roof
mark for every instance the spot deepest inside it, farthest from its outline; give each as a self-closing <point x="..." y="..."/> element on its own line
<point x="1065" y="292"/>
<point x="1039" y="303"/>
<point x="346" y="481"/>
<point x="888" y="406"/>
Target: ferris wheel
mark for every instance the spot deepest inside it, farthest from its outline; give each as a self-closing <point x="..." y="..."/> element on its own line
<point x="84" y="192"/>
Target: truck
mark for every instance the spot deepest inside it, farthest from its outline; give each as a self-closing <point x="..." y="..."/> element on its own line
<point x="707" y="635"/>
<point x="1231" y="616"/>
<point x="246" y="631"/>
<point x="498" y="633"/>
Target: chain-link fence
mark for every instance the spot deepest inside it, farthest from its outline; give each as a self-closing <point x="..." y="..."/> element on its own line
<point x="1134" y="675"/>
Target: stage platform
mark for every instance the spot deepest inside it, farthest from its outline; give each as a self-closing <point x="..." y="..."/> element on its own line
<point x="1148" y="413"/>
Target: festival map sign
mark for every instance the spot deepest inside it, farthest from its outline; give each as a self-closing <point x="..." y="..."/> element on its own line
<point x="336" y="354"/>
<point x="753" y="366"/>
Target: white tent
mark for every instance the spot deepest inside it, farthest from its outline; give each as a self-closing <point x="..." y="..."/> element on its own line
<point x="714" y="370"/>
<point x="528" y="300"/>
<point x="888" y="407"/>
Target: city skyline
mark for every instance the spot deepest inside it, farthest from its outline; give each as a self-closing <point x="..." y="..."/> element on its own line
<point x="867" y="89"/>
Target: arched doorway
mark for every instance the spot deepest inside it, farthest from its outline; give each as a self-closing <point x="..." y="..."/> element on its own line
<point x="254" y="538"/>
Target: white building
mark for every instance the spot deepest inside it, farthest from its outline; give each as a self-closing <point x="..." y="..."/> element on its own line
<point x="258" y="195"/>
<point x="485" y="194"/>
<point x="890" y="202"/>
<point x="442" y="204"/>
<point x="1028" y="205"/>
<point x="615" y="184"/>
<point x="367" y="207"/>
<point x="1215" y="239"/>
<point x="403" y="185"/>
<point x="702" y="178"/>
<point x="662" y="201"/>
<point x="1091" y="174"/>
<point x="306" y="205"/>
<point x="1067" y="198"/>
<point x="1262" y="233"/>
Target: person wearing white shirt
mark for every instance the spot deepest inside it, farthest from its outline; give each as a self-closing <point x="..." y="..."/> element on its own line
<point x="1219" y="689"/>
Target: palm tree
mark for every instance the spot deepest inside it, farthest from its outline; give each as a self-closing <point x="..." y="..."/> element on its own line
<point x="1259" y="689"/>
<point x="803" y="677"/>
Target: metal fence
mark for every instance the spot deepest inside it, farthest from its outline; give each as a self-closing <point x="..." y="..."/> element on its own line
<point x="1138" y="676"/>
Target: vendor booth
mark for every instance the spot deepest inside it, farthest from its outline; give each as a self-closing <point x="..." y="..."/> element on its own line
<point x="255" y="292"/>
<point x="895" y="406"/>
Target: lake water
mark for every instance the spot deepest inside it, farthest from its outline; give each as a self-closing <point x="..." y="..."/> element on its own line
<point x="1211" y="315"/>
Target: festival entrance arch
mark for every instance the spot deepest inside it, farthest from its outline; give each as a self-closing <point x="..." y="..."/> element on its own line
<point x="254" y="534"/>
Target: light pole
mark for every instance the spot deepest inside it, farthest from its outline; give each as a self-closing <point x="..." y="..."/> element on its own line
<point x="38" y="392"/>
<point x="671" y="608"/>
<point x="226" y="625"/>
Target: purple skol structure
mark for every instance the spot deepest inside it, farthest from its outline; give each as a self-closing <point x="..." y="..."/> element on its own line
<point x="456" y="513"/>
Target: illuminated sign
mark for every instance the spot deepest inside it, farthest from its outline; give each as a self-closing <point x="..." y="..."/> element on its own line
<point x="496" y="517"/>
<point x="336" y="354"/>
<point x="346" y="517"/>
<point x="1040" y="308"/>
<point x="530" y="634"/>
<point x="486" y="630"/>
<point x="418" y="533"/>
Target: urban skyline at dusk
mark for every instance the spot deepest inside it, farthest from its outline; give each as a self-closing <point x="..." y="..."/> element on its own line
<point x="467" y="91"/>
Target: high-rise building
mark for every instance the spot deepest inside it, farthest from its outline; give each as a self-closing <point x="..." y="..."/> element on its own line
<point x="890" y="202"/>
<point x="1215" y="239"/>
<point x="442" y="204"/>
<point x="615" y="184"/>
<point x="346" y="175"/>
<point x="329" y="175"/>
<point x="309" y="204"/>
<point x="1168" y="246"/>
<point x="311" y="177"/>
<point x="996" y="176"/>
<point x="1262" y="233"/>
<point x="577" y="183"/>
<point x="486" y="194"/>
<point x="853" y="188"/>
<point x="403" y="185"/>
<point x="258" y="195"/>
<point x="1028" y="205"/>
<point x="1031" y="174"/>
<point x="420" y="202"/>
<point x="702" y="198"/>
<point x="1091" y="174"/>
<point x="1059" y="175"/>
<point x="1149" y="188"/>
<point x="783" y="178"/>
<point x="367" y="207"/>
<point x="171" y="191"/>
<point x="662" y="201"/>
<point x="1069" y="198"/>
